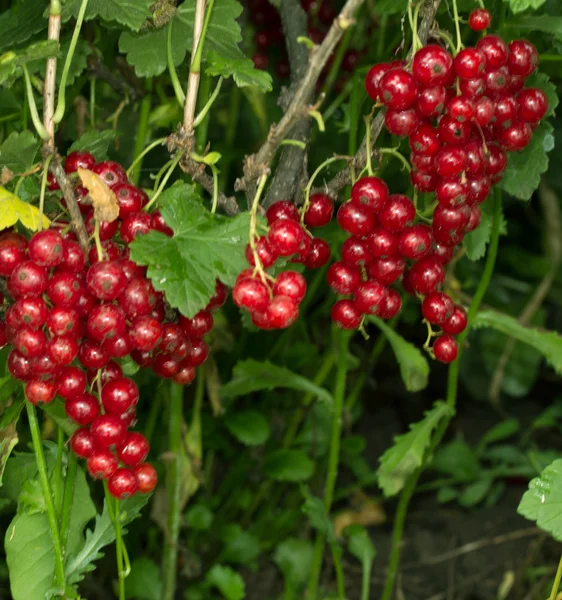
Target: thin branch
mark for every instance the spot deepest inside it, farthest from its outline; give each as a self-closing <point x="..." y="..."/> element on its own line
<point x="297" y="109"/>
<point x="291" y="168"/>
<point x="343" y="178"/>
<point x="51" y="76"/>
<point x="194" y="73"/>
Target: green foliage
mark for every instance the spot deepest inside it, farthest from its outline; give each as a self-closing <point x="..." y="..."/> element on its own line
<point x="522" y="5"/>
<point x="288" y="465"/>
<point x="240" y="546"/>
<point x="11" y="62"/>
<point x="413" y="365"/>
<point x="252" y="376"/>
<point x="249" y="427"/>
<point x="409" y="449"/>
<point x="131" y="13"/>
<point x="18" y="151"/>
<point x="458" y="460"/>
<point x="11" y="405"/>
<point x="144" y="581"/>
<point x="313" y="507"/>
<point x="94" y="142"/>
<point x="20" y="23"/>
<point x="294" y="558"/>
<point x="199" y="517"/>
<point x="475" y="242"/>
<point x="229" y="583"/>
<point x="541" y="502"/>
<point x="204" y="247"/>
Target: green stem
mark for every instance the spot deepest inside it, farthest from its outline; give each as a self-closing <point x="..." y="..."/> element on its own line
<point x="209" y="104"/>
<point x="457" y="26"/>
<point x="396" y="154"/>
<point x="164" y="180"/>
<point x="61" y="103"/>
<point x="47" y="495"/>
<point x="556" y="584"/>
<point x="174" y="485"/>
<point x="322" y="166"/>
<point x="343" y="338"/>
<point x="119" y="550"/>
<point x="196" y="62"/>
<point x="452" y="382"/>
<point x="366" y="580"/>
<point x="57" y="492"/>
<point x="142" y="130"/>
<point x="201" y="131"/>
<point x="338" y="568"/>
<point x="140" y="156"/>
<point x="43" y="190"/>
<point x="68" y="497"/>
<point x="178" y="90"/>
<point x="39" y="127"/>
<point x="93" y="103"/>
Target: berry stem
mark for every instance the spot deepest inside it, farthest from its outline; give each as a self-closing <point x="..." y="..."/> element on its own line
<point x="51" y="74"/>
<point x="556" y="584"/>
<point x="43" y="189"/>
<point x="199" y="118"/>
<point x="174" y="487"/>
<point x="319" y="169"/>
<point x="457" y="26"/>
<point x="139" y="158"/>
<point x="93" y="102"/>
<point x="164" y="181"/>
<point x="413" y="18"/>
<point x="396" y="154"/>
<point x="97" y="241"/>
<point x="113" y="508"/>
<point x="342" y="340"/>
<point x="142" y="132"/>
<point x="369" y="164"/>
<point x="253" y="227"/>
<point x="452" y="384"/>
<point x="215" y="172"/>
<point x="41" y="131"/>
<point x="47" y="495"/>
<point x="61" y="103"/>
<point x="57" y="492"/>
<point x="178" y="90"/>
<point x="68" y="496"/>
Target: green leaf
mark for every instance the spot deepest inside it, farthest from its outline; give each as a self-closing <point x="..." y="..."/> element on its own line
<point x="545" y="23"/>
<point x="542" y="81"/>
<point x="521" y="5"/>
<point x="131" y="13"/>
<point x="13" y="210"/>
<point x="229" y="583"/>
<point x="38" y="51"/>
<point x="241" y="69"/>
<point x="249" y="427"/>
<point x="18" y="151"/>
<point x="408" y="451"/>
<point x="499" y="432"/>
<point x="199" y="517"/>
<point x="458" y="460"/>
<point x="360" y="544"/>
<point x="475" y="242"/>
<point x="548" y="343"/>
<point x="252" y="376"/>
<point x="414" y="368"/>
<point x="294" y="559"/>
<point x="24" y="20"/>
<point x="313" y="508"/>
<point x="79" y="61"/>
<point x="288" y="465"/>
<point x="475" y="492"/>
<point x="11" y="405"/>
<point x="446" y="494"/>
<point x="542" y="502"/>
<point x="144" y="581"/>
<point x="391" y="7"/>
<point x="94" y="142"/>
<point x="204" y="247"/>
<point x="147" y="51"/>
<point x="29" y="549"/>
<point x="239" y="545"/>
<point x="524" y="169"/>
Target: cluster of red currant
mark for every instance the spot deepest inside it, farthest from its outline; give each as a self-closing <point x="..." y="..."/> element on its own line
<point x="461" y="115"/>
<point x="65" y="307"/>
<point x="274" y="301"/>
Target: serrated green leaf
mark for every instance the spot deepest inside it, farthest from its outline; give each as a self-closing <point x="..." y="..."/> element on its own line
<point x="288" y="465"/>
<point x="548" y="343"/>
<point x="34" y="55"/>
<point x="131" y="13"/>
<point x="144" y="581"/>
<point x="249" y="427"/>
<point x="77" y="66"/>
<point x="240" y="547"/>
<point x="457" y="459"/>
<point x="407" y="452"/>
<point x="294" y="559"/>
<point x="241" y="69"/>
<point x="252" y="376"/>
<point x="95" y="142"/>
<point x="518" y="6"/>
<point x="229" y="583"/>
<point x="313" y="508"/>
<point x="475" y="242"/>
<point x="414" y="367"/>
<point x="204" y="247"/>
<point x="21" y="22"/>
<point x="18" y="151"/>
<point x="524" y="169"/>
<point x="542" y="502"/>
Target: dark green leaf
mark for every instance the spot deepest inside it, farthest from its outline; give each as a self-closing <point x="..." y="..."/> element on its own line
<point x="204" y="247"/>
<point x="542" y="502"/>
<point x="95" y="142"/>
<point x="249" y="427"/>
<point x="544" y="23"/>
<point x="548" y="343"/>
<point x="475" y="242"/>
<point x="475" y="492"/>
<point x="144" y="582"/>
<point x="446" y="494"/>
<point x="288" y="465"/>
<point x="524" y="169"/>
<point x="521" y="5"/>
<point x="252" y="376"/>
<point x="24" y="20"/>
<point x="131" y="13"/>
<point x="458" y="460"/>
<point x="499" y="432"/>
<point x="360" y="545"/>
<point x="199" y="517"/>
<point x="18" y="151"/>
<point x="11" y="405"/>
<point x="239" y="546"/>
<point x="294" y="558"/>
<point x="408" y="451"/>
<point x="241" y="69"/>
<point x="229" y="583"/>
<point x="313" y="508"/>
<point x="414" y="368"/>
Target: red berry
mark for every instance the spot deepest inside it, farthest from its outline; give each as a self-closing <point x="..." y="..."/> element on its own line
<point x="445" y="349"/>
<point x="71" y="381"/>
<point x="261" y="61"/>
<point x="444" y="254"/>
<point x="478" y="190"/>
<point x="110" y="251"/>
<point x="285" y="237"/>
<point x="319" y="254"/>
<point x="159" y="224"/>
<point x="304" y="249"/>
<point x="523" y="58"/>
<point x="82" y="443"/>
<point x="432" y="101"/>
<point x="53" y="184"/>
<point x="166" y="366"/>
<point x="265" y="254"/>
<point x="107" y="229"/>
<point x="119" y="395"/>
<point x="139" y="298"/>
<point x="475" y="218"/>
<point x="355" y="251"/>
<point x="497" y="160"/>
<point x="251" y="294"/>
<point x="516" y="137"/>
<point x="450" y="217"/>
<point x="398" y="89"/>
<point x="134" y="449"/>
<point x="373" y="78"/>
<point x="457" y="322"/>
<point x="106" y="280"/>
<point x="173" y="340"/>
<point x="78" y="160"/>
<point x="386" y="270"/>
<point x="475" y="158"/>
<point x="145" y="333"/>
<point x="382" y="242"/>
<point x="102" y="463"/>
<point x="186" y="372"/>
<point x="497" y="82"/>
<point x="432" y="65"/>
<point x="470" y="63"/>
<point x="415" y="241"/>
<point x="346" y="315"/>
<point x="13" y="250"/>
<point x="398" y="212"/>
<point x="484" y="111"/>
<point x="495" y="50"/>
<point x="437" y="307"/>
<point x="19" y="366"/>
<point x="425" y="140"/>
<point x="427" y="275"/>
<point x="92" y="356"/>
<point x="451" y="193"/>
<point x="452" y="132"/>
<point x="532" y="105"/>
<point x="63" y="349"/>
<point x="105" y="321"/>
<point x="355" y="219"/>
<point x="28" y="279"/>
<point x="505" y="111"/>
<point x="40" y="392"/>
<point x="461" y="108"/>
<point x="73" y="258"/>
<point x="197" y="353"/>
<point x="64" y="289"/>
<point x="146" y="477"/>
<point x="424" y="182"/>
<point x="32" y="312"/>
<point x="29" y="342"/>
<point x="122" y="484"/>
<point x="390" y="305"/>
<point x="320" y="210"/>
<point x="3" y="335"/>
<point x="129" y="198"/>
<point x="198" y="326"/>
<point x="450" y="162"/>
<point x="283" y="209"/>
<point x="282" y="312"/>
<point x="46" y="248"/>
<point x="342" y="278"/>
<point x="135" y="224"/>
<point x="108" y="431"/>
<point x="82" y="409"/>
<point x="472" y="88"/>
<point x="402" y="122"/>
<point x="479" y="19"/>
<point x="368" y="296"/>
<point x="111" y="172"/>
<point x="290" y="283"/>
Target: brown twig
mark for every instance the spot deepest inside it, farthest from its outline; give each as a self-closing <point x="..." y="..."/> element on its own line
<point x="255" y="164"/>
<point x="50" y="80"/>
<point x="553" y="225"/>
<point x="343" y="178"/>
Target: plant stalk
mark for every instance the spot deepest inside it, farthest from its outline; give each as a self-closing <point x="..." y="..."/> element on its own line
<point x="142" y="130"/>
<point x="68" y="497"/>
<point x="51" y="76"/>
<point x="556" y="584"/>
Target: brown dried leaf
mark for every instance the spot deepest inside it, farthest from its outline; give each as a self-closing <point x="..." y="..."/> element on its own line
<point x="106" y="207"/>
<point x="365" y="512"/>
<point x="6" y="176"/>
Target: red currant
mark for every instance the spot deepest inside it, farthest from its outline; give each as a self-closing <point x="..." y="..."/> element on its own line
<point x="479" y="19"/>
<point x="101" y="463"/>
<point x="134" y="449"/>
<point x="346" y="315"/>
<point x="320" y="210"/>
<point x="445" y="349"/>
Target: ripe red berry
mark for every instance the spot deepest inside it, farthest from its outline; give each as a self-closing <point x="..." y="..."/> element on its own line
<point x="198" y="326"/>
<point x="71" y="381"/>
<point x="523" y="58"/>
<point x="134" y="449"/>
<point x="186" y="372"/>
<point x="398" y="89"/>
<point x="427" y="275"/>
<point x="424" y="182"/>
<point x="105" y="321"/>
<point x="382" y="242"/>
<point x="390" y="305"/>
<point x="13" y="251"/>
<point x="397" y="212"/>
<point x="19" y="366"/>
<point x="92" y="356"/>
<point x="290" y="283"/>
<point x="479" y="19"/>
<point x="135" y="224"/>
<point x="415" y="242"/>
<point x="82" y="443"/>
<point x="159" y="224"/>
<point x="495" y="50"/>
<point x="265" y="254"/>
<point x="472" y="88"/>
<point x="368" y="296"/>
<point x="73" y="258"/>
<point x="139" y="298"/>
<point x="346" y="315"/>
<point x="478" y="190"/>
<point x="283" y="209"/>
<point x="319" y="254"/>
<point x="40" y="392"/>
<point x="101" y="463"/>
<point x="122" y="484"/>
<point x="285" y="237"/>
<point x="107" y="229"/>
<point x="470" y="63"/>
<point x="28" y="279"/>
<point x="29" y="342"/>
<point x="119" y="395"/>
<point x="432" y="65"/>
<point x="444" y="254"/>
<point x="445" y="349"/>
<point x="82" y="409"/>
<point x="46" y="248"/>
<point x="343" y="278"/>
<point x="251" y="294"/>
<point x="437" y="307"/>
<point x="78" y="160"/>
<point x="373" y="78"/>
<point x="451" y="193"/>
<point x="320" y="210"/>
<point x="282" y="312"/>
<point x="425" y="140"/>
<point x="144" y="333"/>
<point x="129" y="198"/>
<point x="63" y="349"/>
<point x="450" y="162"/>
<point x="402" y="122"/>
<point x="532" y="105"/>
<point x="106" y="280"/>
<point x="516" y="137"/>
<point x="108" y="431"/>
<point x="453" y="132"/>
<point x="457" y="322"/>
<point x="474" y="220"/>
<point x="165" y="366"/>
<point x="432" y="101"/>
<point x="64" y="289"/>
<point x="32" y="312"/>
<point x="146" y="477"/>
<point x="484" y="111"/>
<point x="355" y="219"/>
<point x="386" y="270"/>
<point x="497" y="160"/>
<point x="111" y="172"/>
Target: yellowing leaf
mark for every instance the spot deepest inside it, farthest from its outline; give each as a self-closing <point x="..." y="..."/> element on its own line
<point x="106" y="207"/>
<point x="12" y="210"/>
